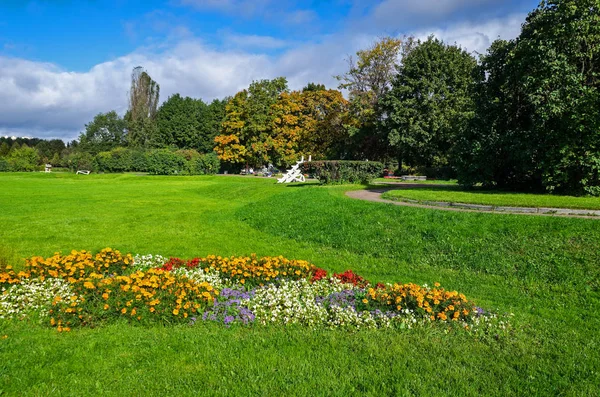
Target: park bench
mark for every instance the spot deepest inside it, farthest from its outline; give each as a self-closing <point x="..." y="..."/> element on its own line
<point x="84" y="172"/>
<point x="413" y="178"/>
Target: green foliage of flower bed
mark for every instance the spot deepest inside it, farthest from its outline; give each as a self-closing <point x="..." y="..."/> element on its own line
<point x="340" y="171"/>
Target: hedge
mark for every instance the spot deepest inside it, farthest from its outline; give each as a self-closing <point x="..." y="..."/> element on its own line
<point x="340" y="171"/>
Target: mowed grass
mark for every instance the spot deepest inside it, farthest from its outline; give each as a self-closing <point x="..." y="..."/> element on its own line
<point x="456" y="194"/>
<point x="544" y="270"/>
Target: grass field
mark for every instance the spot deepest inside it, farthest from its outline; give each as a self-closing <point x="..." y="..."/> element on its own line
<point x="455" y="194"/>
<point x="544" y="270"/>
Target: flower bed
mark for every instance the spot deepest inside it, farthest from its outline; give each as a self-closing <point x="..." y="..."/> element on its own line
<point x="82" y="289"/>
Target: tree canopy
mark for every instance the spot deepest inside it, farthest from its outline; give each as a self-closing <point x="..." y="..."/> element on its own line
<point x="430" y="103"/>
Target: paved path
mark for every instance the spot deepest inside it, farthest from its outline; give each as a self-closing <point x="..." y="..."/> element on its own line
<point x="374" y="195"/>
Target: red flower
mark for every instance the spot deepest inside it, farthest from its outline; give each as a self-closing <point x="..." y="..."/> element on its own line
<point x="319" y="274"/>
<point x="349" y="277"/>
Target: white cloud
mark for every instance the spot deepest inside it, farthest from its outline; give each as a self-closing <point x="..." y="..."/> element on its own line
<point x="477" y="37"/>
<point x="43" y="100"/>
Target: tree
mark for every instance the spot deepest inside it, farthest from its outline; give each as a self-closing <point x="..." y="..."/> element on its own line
<point x="178" y="122"/>
<point x="210" y="125"/>
<point x="48" y="148"/>
<point x="4" y="149"/>
<point x="368" y="80"/>
<point x="143" y="103"/>
<point x="104" y="133"/>
<point x="24" y="158"/>
<point x="546" y="123"/>
<point x="430" y="103"/>
<point x="490" y="150"/>
<point x="311" y="122"/>
<point x="314" y="87"/>
<point x="247" y="123"/>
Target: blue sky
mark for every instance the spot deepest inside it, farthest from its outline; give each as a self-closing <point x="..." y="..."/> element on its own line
<point x="63" y="61"/>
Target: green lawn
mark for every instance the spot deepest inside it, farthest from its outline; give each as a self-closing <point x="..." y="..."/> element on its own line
<point x="455" y="194"/>
<point x="544" y="270"/>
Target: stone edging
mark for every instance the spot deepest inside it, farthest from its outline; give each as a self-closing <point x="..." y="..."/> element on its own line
<point x="375" y="196"/>
<point x="492" y="208"/>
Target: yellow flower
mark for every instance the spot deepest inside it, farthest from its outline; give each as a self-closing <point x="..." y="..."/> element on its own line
<point x="175" y="312"/>
<point x="89" y="285"/>
<point x="106" y="307"/>
<point x="123" y="310"/>
<point x="105" y="296"/>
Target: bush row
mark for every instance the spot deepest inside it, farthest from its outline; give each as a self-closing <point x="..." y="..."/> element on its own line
<point x="344" y="171"/>
<point x="157" y="162"/>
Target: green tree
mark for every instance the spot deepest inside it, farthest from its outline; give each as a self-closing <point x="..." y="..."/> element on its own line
<point x="48" y="148"/>
<point x="314" y="87"/>
<point x="104" y="133"/>
<point x="24" y="158"/>
<point x="211" y="124"/>
<point x="178" y="122"/>
<point x="4" y="149"/>
<point x="548" y="89"/>
<point x="430" y="103"/>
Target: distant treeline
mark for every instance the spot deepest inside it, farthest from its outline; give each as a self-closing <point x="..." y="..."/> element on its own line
<point x="525" y="115"/>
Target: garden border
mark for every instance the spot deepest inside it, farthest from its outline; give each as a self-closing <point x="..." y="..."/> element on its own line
<point x="374" y="195"/>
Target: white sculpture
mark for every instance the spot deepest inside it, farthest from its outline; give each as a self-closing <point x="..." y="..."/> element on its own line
<point x="294" y="174"/>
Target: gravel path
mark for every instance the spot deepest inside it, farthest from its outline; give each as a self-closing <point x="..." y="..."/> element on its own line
<point x="374" y="195"/>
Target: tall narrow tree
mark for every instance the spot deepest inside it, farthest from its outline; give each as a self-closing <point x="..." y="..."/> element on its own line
<point x="143" y="103"/>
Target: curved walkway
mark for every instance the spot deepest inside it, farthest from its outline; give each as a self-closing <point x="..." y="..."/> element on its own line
<point x="374" y="195"/>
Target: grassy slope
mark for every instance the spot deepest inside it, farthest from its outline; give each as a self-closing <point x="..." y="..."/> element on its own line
<point x="457" y="195"/>
<point x="545" y="270"/>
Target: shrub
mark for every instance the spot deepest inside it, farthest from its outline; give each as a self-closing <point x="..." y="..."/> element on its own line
<point x="23" y="159"/>
<point x="344" y="171"/>
<point x="80" y="161"/>
<point x="3" y="165"/>
<point x="165" y="162"/>
<point x="205" y="164"/>
<point x="116" y="160"/>
<point x="139" y="160"/>
<point x="188" y="154"/>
